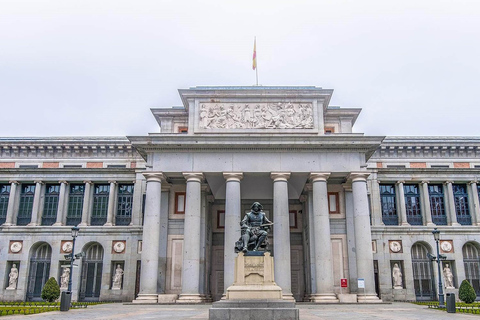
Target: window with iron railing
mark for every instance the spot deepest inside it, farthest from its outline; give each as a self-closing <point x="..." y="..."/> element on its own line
<point x="460" y="196"/>
<point x="4" y="197"/>
<point x="437" y="204"/>
<point x="27" y="192"/>
<point x="75" y="204"/>
<point x="50" y="207"/>
<point x="124" y="205"/>
<point x="389" y="207"/>
<point x="412" y="204"/>
<point x="100" y="204"/>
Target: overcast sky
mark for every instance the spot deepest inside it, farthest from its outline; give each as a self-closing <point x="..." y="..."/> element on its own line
<point x="83" y="67"/>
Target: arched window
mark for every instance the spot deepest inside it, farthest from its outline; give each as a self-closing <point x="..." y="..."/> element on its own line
<point x="471" y="261"/>
<point x="422" y="273"/>
<point x="39" y="271"/>
<point x="92" y="268"/>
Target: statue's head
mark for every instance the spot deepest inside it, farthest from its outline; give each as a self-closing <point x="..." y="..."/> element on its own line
<point x="256" y="206"/>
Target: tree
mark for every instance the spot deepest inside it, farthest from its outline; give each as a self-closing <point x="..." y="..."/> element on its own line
<point x="51" y="290"/>
<point x="466" y="293"/>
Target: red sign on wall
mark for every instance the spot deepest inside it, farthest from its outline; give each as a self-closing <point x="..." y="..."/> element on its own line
<point x="343" y="283"/>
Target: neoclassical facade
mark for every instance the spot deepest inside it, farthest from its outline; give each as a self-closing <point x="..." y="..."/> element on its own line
<point x="159" y="214"/>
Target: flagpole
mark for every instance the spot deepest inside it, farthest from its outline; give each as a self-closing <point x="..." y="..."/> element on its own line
<point x="255" y="65"/>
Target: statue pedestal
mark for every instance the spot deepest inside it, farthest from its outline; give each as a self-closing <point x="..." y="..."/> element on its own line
<point x="254" y="293"/>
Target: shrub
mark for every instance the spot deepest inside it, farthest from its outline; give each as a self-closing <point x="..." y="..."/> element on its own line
<point x="51" y="290"/>
<point x="466" y="293"/>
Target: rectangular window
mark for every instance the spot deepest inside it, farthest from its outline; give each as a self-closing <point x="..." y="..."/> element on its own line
<point x="26" y="204"/>
<point x="116" y="166"/>
<point x="50" y="207"/>
<point x="293" y="219"/>
<point x="412" y="204"/>
<point x="180" y="202"/>
<point x="437" y="204"/>
<point x="75" y="204"/>
<point x="460" y="196"/>
<point x="100" y="204"/>
<point x="4" y="197"/>
<point x="333" y="203"/>
<point x="220" y="219"/>
<point x="389" y="207"/>
<point x="124" y="205"/>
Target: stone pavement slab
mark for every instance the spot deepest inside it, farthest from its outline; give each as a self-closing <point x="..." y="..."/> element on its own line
<point x="117" y="311"/>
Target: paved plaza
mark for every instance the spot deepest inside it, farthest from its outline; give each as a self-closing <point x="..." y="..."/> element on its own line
<point x="118" y="311"/>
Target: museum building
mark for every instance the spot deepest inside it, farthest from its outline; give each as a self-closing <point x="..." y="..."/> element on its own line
<point x="159" y="214"/>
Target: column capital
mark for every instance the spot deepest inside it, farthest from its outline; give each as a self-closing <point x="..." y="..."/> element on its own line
<point x="112" y="181"/>
<point x="308" y="187"/>
<point x="400" y="182"/>
<point x="358" y="176"/>
<point x="319" y="176"/>
<point x="233" y="176"/>
<point x="347" y="186"/>
<point x="63" y="182"/>
<point x="448" y="182"/>
<point x="473" y="182"/>
<point x="205" y="188"/>
<point x="424" y="182"/>
<point x="154" y="176"/>
<point x="193" y="176"/>
<point x="38" y="182"/>
<point x="88" y="182"/>
<point x="14" y="182"/>
<point x="280" y="176"/>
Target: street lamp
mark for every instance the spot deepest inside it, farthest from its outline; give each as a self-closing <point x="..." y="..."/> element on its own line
<point x="67" y="295"/>
<point x="438" y="258"/>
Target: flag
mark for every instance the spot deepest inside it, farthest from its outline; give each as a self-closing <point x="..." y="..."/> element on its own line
<point x="254" y="65"/>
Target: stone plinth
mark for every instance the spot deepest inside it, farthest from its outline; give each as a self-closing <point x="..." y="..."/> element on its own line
<point x="253" y="310"/>
<point x="254" y="278"/>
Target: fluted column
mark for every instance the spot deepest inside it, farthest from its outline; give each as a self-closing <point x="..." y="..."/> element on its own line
<point x="232" y="224"/>
<point x="36" y="203"/>
<point x="323" y="245"/>
<point x="151" y="239"/>
<point x="12" y="201"/>
<point x="191" y="240"/>
<point x="281" y="234"/>
<point x="450" y="204"/>
<point x="111" y="203"/>
<point x="87" y="203"/>
<point x="426" y="208"/>
<point x="62" y="202"/>
<point x="476" y="205"/>
<point x="363" y="236"/>
<point x="401" y="207"/>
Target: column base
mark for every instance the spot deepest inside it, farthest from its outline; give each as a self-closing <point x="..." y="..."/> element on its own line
<point x="288" y="297"/>
<point x="56" y="224"/>
<point x="108" y="224"/>
<point x="324" y="298"/>
<point x="150" y="298"/>
<point x="32" y="224"/>
<point x="83" y="224"/>
<point x="167" y="298"/>
<point x="368" y="298"/>
<point x="431" y="224"/>
<point x="192" y="298"/>
<point x="8" y="224"/>
<point x="405" y="224"/>
<point x="456" y="224"/>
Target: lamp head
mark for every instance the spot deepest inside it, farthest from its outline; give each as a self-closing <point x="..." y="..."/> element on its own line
<point x="436" y="234"/>
<point x="75" y="231"/>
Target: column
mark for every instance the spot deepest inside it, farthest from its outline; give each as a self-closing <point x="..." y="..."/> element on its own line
<point x="36" y="203"/>
<point x="203" y="239"/>
<point x="111" y="203"/>
<point x="323" y="244"/>
<point x="232" y="224"/>
<point x="163" y="241"/>
<point x="450" y="204"/>
<point x="191" y="241"/>
<point x="137" y="203"/>
<point x="62" y="208"/>
<point x="12" y="201"/>
<point x="151" y="239"/>
<point x="377" y="219"/>
<point x="426" y="208"/>
<point x="475" y="211"/>
<point x="281" y="234"/>
<point x="87" y="203"/>
<point x="311" y="242"/>
<point x="352" y="256"/>
<point x="363" y="237"/>
<point x="401" y="207"/>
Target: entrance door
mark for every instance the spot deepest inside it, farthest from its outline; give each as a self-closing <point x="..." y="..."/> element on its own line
<point x="422" y="273"/>
<point x="216" y="278"/>
<point x="296" y="264"/>
<point x="39" y="271"/>
<point x="92" y="268"/>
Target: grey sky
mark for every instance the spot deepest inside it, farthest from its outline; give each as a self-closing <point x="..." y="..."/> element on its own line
<point x="97" y="67"/>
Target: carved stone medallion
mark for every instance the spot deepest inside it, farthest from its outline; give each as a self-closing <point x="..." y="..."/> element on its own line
<point x="118" y="246"/>
<point x="446" y="246"/>
<point x="67" y="246"/>
<point x="395" y="246"/>
<point x="16" y="246"/>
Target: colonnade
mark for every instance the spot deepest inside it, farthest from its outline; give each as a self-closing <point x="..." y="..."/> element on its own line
<point x="320" y="249"/>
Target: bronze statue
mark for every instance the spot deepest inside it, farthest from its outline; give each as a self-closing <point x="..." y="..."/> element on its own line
<point x="255" y="226"/>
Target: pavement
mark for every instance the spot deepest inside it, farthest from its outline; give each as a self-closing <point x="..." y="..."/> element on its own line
<point x="118" y="311"/>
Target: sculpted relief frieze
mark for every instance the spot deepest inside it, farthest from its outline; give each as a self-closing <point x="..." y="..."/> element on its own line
<point x="256" y="116"/>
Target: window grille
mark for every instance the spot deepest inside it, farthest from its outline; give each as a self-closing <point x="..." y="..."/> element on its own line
<point x="75" y="204"/>
<point x="100" y="205"/>
<point x="412" y="204"/>
<point x="471" y="261"/>
<point x="422" y="273"/>
<point x="461" y="204"/>
<point x="50" y="207"/>
<point x="389" y="208"/>
<point x="124" y="205"/>
<point x="437" y="204"/>
<point x="4" y="197"/>
<point x="26" y="204"/>
<point x="39" y="271"/>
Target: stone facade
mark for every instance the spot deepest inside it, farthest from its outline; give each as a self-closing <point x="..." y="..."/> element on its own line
<point x="165" y="208"/>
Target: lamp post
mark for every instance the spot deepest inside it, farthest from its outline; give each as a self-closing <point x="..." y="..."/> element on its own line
<point x="72" y="257"/>
<point x="438" y="258"/>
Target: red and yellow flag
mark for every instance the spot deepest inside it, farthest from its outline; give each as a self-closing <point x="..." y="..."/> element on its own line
<point x="254" y="65"/>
